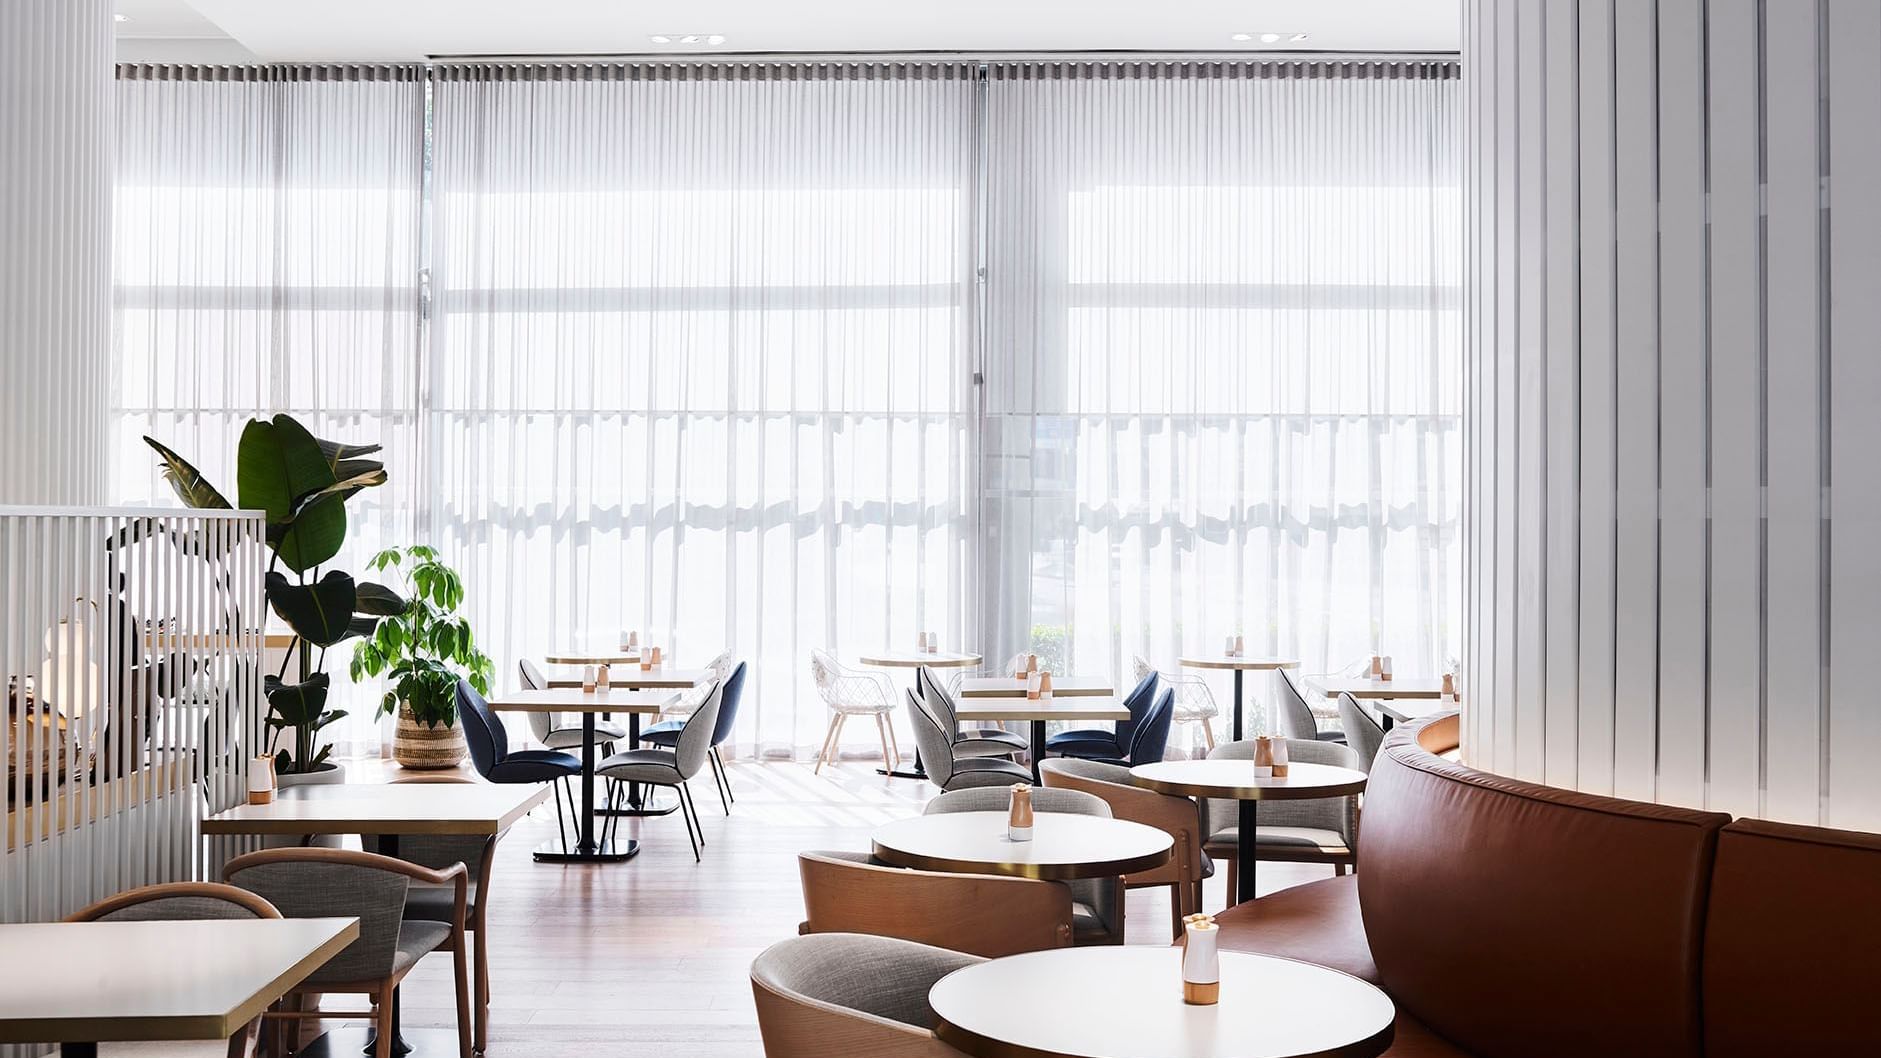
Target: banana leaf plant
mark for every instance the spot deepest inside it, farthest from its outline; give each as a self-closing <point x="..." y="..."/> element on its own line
<point x="301" y="483"/>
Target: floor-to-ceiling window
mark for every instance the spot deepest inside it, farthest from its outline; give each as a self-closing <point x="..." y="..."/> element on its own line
<point x="1100" y="359"/>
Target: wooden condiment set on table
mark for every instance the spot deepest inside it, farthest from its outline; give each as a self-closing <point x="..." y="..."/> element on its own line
<point x="1201" y="961"/>
<point x="1038" y="683"/>
<point x="1270" y="757"/>
<point x="1019" y="814"/>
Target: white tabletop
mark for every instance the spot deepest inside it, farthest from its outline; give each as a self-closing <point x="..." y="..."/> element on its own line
<point x="1236" y="661"/>
<point x="576" y="700"/>
<point x="633" y="676"/>
<point x="593" y="657"/>
<point x="1362" y="687"/>
<point x="1074" y="708"/>
<point x="1236" y="779"/>
<point x="1062" y="686"/>
<point x="90" y="982"/>
<point x="1063" y="845"/>
<point x="384" y="808"/>
<point x="1405" y="710"/>
<point x="1126" y="1002"/>
<point x="914" y="659"/>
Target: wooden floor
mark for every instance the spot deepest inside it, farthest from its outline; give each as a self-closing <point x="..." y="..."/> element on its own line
<point x="651" y="957"/>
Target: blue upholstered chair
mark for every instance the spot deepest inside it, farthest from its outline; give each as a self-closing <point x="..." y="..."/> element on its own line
<point x="666" y="733"/>
<point x="1098" y="744"/>
<point x="494" y="760"/>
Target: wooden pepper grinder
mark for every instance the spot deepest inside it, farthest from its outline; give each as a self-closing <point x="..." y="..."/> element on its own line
<point x="1044" y="684"/>
<point x="1019" y="817"/>
<point x="1263" y="757"/>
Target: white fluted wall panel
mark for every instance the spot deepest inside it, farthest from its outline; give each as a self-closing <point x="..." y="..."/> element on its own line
<point x="1673" y="324"/>
<point x="55" y="249"/>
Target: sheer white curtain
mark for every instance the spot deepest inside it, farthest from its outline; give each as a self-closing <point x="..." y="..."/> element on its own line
<point x="266" y="260"/>
<point x="698" y="358"/>
<point x="1222" y="361"/>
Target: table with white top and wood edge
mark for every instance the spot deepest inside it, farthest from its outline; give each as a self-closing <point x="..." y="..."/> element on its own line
<point x="915" y="659"/>
<point x="1236" y="780"/>
<point x="1040" y="1005"/>
<point x="1064" y="846"/>
<point x="1038" y="712"/>
<point x="79" y="984"/>
<point x="389" y="811"/>
<point x="1241" y="664"/>
<point x="590" y="847"/>
<point x="1396" y="699"/>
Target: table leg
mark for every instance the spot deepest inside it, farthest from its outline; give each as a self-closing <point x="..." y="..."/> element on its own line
<point x="388" y="846"/>
<point x="1038" y="749"/>
<point x="1239" y="675"/>
<point x="1245" y="844"/>
<point x="588" y="849"/>
<point x="78" y="1050"/>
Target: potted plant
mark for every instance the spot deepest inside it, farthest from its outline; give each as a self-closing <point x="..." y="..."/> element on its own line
<point x="424" y="651"/>
<point x="301" y="484"/>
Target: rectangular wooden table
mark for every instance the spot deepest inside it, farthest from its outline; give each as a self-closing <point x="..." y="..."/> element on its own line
<point x="590" y="848"/>
<point x="388" y="810"/>
<point x="78" y="984"/>
<point x="1062" y="687"/>
<point x="1039" y="712"/>
<point x="633" y="678"/>
<point x="1396" y="700"/>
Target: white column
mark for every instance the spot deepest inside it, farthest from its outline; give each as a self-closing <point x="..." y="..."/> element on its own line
<point x="55" y="249"/>
<point x="1674" y="450"/>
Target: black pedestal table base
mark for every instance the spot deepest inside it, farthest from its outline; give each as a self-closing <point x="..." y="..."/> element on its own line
<point x="1246" y="843"/>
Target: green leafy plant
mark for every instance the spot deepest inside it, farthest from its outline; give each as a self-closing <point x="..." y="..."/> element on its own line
<point x="301" y="484"/>
<point x="429" y="647"/>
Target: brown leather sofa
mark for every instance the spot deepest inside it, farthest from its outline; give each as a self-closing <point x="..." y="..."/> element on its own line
<point x="1512" y="920"/>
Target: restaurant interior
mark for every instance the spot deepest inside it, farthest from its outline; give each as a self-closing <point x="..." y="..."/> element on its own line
<point x="1309" y="529"/>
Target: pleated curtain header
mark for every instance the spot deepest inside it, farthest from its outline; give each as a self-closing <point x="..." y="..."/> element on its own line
<point x="1054" y="70"/>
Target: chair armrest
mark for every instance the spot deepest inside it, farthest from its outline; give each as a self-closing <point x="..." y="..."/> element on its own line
<point x="980" y="914"/>
<point x="456" y="875"/>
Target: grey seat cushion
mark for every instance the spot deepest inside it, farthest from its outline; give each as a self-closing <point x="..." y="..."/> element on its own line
<point x="1224" y="842"/>
<point x="433" y="903"/>
<point x="882" y="977"/>
<point x="416" y="940"/>
<point x="987" y="771"/>
<point x="570" y="737"/>
<point x="643" y="765"/>
<point x="968" y="748"/>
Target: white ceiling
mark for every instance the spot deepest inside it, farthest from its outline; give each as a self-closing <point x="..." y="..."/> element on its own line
<point x="411" y="30"/>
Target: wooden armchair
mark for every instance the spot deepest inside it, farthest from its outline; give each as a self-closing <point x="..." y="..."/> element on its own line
<point x="1179" y="817"/>
<point x="980" y="914"/>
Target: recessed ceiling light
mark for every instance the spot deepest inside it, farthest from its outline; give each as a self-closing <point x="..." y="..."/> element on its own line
<point x="120" y="18"/>
<point x="660" y="38"/>
<point x="1270" y="38"/>
<point x="716" y="38"/>
<point x="694" y="39"/>
<point x="1296" y="38"/>
<point x="1241" y="36"/>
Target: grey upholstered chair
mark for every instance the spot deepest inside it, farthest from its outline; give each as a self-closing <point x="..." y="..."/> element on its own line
<point x="341" y="883"/>
<point x="982" y="914"/>
<point x="673" y="767"/>
<point x="848" y="993"/>
<point x="1362" y="733"/>
<point x="193" y="902"/>
<point x="944" y="768"/>
<point x="1318" y="830"/>
<point x="975" y="742"/>
<point x="434" y="903"/>
<point x="1296" y="718"/>
<point x="554" y="730"/>
<point x="1096" y="903"/>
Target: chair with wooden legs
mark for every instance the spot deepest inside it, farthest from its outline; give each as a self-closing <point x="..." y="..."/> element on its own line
<point x="192" y="901"/>
<point x="324" y="883"/>
<point x="1178" y="817"/>
<point x="849" y="693"/>
<point x="433" y="903"/>
<point x="1096" y="903"/>
<point x="1195" y="703"/>
<point x="1316" y="830"/>
<point x="984" y="914"/>
<point x="850" y="995"/>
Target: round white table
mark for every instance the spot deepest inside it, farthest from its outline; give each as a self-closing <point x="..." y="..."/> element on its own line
<point x="914" y="659"/>
<point x="1064" y="846"/>
<point x="1242" y="664"/>
<point x="1235" y="780"/>
<point x="1126" y="1002"/>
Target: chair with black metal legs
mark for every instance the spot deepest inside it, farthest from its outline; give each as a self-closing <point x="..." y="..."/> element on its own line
<point x="672" y="767"/>
<point x="494" y="760"/>
<point x="554" y="732"/>
<point x="1097" y="744"/>
<point x="666" y="733"/>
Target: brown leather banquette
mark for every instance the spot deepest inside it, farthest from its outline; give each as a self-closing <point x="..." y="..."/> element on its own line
<point x="1513" y="920"/>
